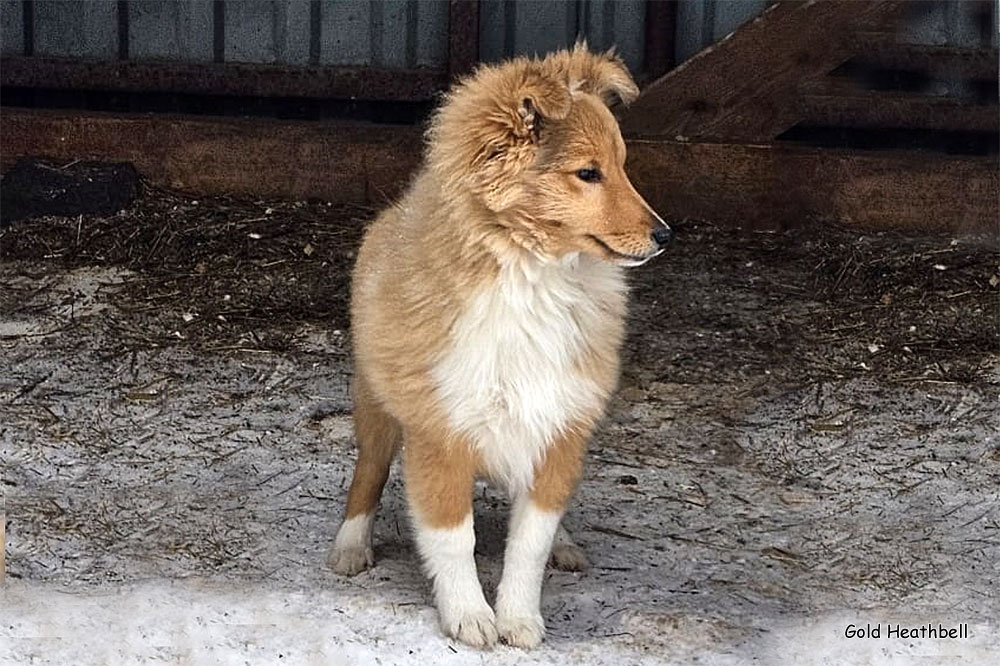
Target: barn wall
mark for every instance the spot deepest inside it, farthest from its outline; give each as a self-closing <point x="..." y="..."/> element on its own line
<point x="180" y="31"/>
<point x="510" y="28"/>
<point x="398" y="34"/>
<point x="11" y="27"/>
<point x="703" y="22"/>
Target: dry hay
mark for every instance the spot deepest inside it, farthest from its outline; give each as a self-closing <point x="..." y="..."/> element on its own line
<point x="817" y="301"/>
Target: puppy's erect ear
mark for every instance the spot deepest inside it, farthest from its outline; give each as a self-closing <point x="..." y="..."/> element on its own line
<point x="601" y="74"/>
<point x="487" y="131"/>
<point x="540" y="98"/>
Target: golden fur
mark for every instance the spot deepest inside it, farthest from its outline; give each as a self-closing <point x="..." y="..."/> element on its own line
<point x="501" y="258"/>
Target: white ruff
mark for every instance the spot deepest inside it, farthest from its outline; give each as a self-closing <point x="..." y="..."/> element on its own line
<point x="507" y="380"/>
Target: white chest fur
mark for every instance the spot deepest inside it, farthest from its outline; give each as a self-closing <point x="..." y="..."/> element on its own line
<point x="508" y="380"/>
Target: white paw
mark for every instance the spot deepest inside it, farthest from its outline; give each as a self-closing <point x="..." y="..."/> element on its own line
<point x="350" y="560"/>
<point x="473" y="626"/>
<point x="568" y="557"/>
<point x="524" y="631"/>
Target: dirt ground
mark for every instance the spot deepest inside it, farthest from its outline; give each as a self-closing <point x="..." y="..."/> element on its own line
<point x="805" y="437"/>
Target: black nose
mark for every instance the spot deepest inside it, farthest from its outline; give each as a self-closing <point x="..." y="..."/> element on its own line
<point x="662" y="235"/>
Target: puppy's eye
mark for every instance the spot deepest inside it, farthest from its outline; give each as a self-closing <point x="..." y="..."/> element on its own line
<point x="589" y="175"/>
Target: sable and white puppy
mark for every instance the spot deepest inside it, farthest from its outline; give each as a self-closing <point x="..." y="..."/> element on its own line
<point x="487" y="316"/>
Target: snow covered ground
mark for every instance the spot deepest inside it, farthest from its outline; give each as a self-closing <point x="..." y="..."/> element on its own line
<point x="775" y="468"/>
<point x="199" y="623"/>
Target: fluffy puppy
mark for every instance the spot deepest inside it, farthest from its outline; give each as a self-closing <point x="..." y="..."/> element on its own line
<point x="487" y="316"/>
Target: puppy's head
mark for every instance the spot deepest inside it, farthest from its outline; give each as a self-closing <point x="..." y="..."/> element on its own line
<point x="534" y="142"/>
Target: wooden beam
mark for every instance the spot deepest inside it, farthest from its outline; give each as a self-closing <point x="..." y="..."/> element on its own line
<point x="243" y="79"/>
<point x="883" y="51"/>
<point x="767" y="186"/>
<point x="343" y="162"/>
<point x="779" y="186"/>
<point x="741" y="89"/>
<point x="879" y="110"/>
<point x="463" y="37"/>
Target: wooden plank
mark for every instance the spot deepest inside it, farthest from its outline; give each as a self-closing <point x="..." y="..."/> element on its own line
<point x="244" y="79"/>
<point x="769" y="186"/>
<point x="877" y="110"/>
<point x="740" y="89"/>
<point x="341" y="162"/>
<point x="778" y="186"/>
<point x="883" y="51"/>
<point x="463" y="37"/>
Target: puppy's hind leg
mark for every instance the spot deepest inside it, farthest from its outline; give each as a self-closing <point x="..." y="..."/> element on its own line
<point x="566" y="554"/>
<point x="378" y="437"/>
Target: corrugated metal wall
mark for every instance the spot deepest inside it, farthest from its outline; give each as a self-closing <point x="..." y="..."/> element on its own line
<point x="704" y="22"/>
<point x="382" y="33"/>
<point x="396" y="33"/>
<point x="11" y="27"/>
<point x="516" y="27"/>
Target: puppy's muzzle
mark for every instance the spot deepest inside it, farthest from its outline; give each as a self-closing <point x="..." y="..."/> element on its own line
<point x="662" y="234"/>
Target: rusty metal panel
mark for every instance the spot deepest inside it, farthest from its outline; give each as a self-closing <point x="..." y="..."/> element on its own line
<point x="267" y="31"/>
<point x="180" y="30"/>
<point x="12" y="26"/>
<point x="78" y="29"/>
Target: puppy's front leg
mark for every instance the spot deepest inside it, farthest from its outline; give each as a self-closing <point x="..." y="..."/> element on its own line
<point x="529" y="542"/>
<point x="439" y="478"/>
<point x="534" y="521"/>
